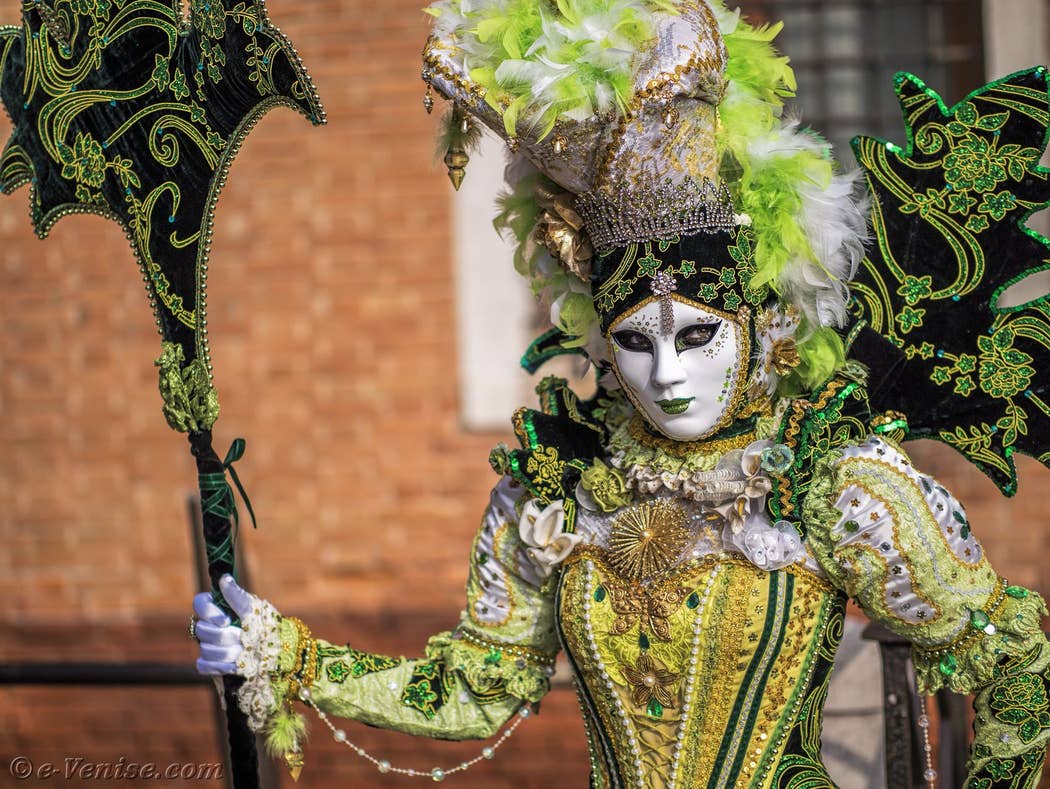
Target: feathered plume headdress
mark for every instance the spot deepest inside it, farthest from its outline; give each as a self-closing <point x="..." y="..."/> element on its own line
<point x="643" y="121"/>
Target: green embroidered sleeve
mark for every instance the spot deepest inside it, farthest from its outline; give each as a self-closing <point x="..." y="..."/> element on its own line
<point x="472" y="679"/>
<point x="901" y="546"/>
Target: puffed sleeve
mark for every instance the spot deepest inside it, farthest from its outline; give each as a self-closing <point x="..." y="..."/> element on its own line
<point x="901" y="545"/>
<point x="469" y="682"/>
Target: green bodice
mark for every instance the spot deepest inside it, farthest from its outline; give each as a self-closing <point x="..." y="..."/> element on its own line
<point x="694" y="666"/>
<point x="712" y="675"/>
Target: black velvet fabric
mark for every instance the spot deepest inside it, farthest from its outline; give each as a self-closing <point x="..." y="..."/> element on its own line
<point x="948" y="215"/>
<point x="558" y="442"/>
<point x="128" y="110"/>
<point x="712" y="268"/>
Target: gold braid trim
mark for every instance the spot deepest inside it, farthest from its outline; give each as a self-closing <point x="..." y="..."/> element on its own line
<point x="304" y="670"/>
<point x="685" y="449"/>
<point x="526" y="653"/>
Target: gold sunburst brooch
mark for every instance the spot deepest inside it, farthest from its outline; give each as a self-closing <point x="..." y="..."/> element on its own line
<point x="647" y="539"/>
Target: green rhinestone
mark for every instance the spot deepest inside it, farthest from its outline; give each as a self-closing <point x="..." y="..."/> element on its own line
<point x="1017" y="592"/>
<point x="599" y="593"/>
<point x="979" y="620"/>
<point x="948" y="665"/>
<point x="643" y="640"/>
<point x="493" y="658"/>
<point x="655" y="709"/>
<point x="693" y="601"/>
<point x="852" y="527"/>
<point x="965" y="532"/>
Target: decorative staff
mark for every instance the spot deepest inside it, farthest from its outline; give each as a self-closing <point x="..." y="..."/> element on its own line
<point x="131" y="111"/>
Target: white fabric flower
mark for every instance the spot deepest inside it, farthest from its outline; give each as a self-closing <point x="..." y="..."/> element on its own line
<point x="541" y="531"/>
<point x="751" y="501"/>
<point x="770" y="547"/>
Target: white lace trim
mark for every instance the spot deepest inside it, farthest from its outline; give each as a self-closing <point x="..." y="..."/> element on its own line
<point x="261" y="642"/>
<point x="737" y="489"/>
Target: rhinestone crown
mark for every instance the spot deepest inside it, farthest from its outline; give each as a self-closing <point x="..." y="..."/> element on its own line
<point x="657" y="212"/>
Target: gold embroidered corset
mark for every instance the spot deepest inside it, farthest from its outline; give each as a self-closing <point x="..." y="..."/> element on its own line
<point x="712" y="674"/>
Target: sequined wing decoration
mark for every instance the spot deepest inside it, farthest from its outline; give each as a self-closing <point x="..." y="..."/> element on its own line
<point x="949" y="220"/>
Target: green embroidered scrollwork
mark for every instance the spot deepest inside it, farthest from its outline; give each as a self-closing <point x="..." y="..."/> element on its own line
<point x="134" y="112"/>
<point x="190" y="400"/>
<point x="642" y="262"/>
<point x="342" y="663"/>
<point x="489" y="672"/>
<point x="1021" y="701"/>
<point x="949" y="217"/>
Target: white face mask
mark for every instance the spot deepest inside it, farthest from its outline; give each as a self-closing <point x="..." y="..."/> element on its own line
<point x="686" y="382"/>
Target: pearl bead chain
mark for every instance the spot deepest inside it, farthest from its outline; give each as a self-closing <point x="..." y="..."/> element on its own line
<point x="435" y="774"/>
<point x="632" y="738"/>
<point x="691" y="677"/>
<point x="924" y="723"/>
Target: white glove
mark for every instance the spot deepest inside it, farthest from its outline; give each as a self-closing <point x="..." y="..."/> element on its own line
<point x="220" y="641"/>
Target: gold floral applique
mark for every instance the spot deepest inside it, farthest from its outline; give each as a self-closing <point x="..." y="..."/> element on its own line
<point x="547" y="468"/>
<point x="652" y="685"/>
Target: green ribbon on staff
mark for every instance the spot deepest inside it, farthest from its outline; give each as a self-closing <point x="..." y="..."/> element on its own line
<point x="217" y="499"/>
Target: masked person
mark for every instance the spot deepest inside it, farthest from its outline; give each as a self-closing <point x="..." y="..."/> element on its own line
<point x="690" y="535"/>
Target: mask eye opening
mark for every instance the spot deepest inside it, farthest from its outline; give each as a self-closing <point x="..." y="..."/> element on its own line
<point x="632" y="341"/>
<point x="696" y="335"/>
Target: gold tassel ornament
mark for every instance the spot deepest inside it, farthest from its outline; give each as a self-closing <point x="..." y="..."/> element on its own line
<point x="460" y="136"/>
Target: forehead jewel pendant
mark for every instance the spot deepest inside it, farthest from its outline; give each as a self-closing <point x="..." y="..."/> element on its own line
<point x="663" y="285"/>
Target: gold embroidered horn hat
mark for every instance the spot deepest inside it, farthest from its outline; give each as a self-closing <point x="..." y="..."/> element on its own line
<point x="598" y="95"/>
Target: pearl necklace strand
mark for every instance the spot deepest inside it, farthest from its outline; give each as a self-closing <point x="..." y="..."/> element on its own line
<point x="930" y="773"/>
<point x="691" y="678"/>
<point x="436" y="774"/>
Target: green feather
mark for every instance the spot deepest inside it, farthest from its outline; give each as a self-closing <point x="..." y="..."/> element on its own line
<point x="767" y="188"/>
<point x="822" y="354"/>
<point x="518" y="213"/>
<point x="286" y="732"/>
<point x="515" y="31"/>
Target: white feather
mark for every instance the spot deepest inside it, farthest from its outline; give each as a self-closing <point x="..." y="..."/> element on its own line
<point x="833" y="218"/>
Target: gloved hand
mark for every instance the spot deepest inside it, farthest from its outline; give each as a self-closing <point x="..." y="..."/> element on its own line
<point x="220" y="641"/>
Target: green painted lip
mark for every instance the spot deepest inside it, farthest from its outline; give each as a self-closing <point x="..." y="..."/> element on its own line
<point x="677" y="406"/>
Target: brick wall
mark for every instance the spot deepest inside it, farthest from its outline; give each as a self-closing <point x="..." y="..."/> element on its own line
<point x="332" y="336"/>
